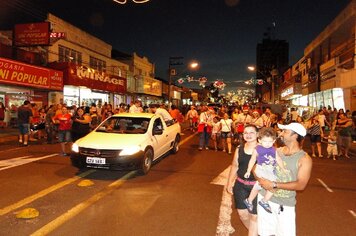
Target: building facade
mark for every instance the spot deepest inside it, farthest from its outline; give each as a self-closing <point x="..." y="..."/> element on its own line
<point x="328" y="67"/>
<point x="272" y="60"/>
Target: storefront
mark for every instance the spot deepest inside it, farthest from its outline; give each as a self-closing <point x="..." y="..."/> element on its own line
<point x="332" y="97"/>
<point x="152" y="92"/>
<point x="20" y="82"/>
<point x="85" y="86"/>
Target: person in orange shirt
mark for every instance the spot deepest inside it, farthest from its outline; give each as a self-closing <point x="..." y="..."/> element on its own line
<point x="174" y="112"/>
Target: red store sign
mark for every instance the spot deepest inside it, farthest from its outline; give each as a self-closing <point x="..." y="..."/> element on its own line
<point x="82" y="76"/>
<point x="17" y="73"/>
<point x="32" y="34"/>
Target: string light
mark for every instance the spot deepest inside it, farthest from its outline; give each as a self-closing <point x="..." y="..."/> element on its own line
<point x="135" y="1"/>
<point x="254" y="81"/>
<point x="202" y="80"/>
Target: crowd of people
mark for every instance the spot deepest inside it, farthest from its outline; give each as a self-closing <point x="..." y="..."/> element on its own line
<point x="63" y="124"/>
<point x="224" y="127"/>
<point x="220" y="128"/>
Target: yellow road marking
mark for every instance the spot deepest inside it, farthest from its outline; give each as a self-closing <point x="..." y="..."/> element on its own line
<point x="186" y="139"/>
<point x="48" y="228"/>
<point x="42" y="193"/>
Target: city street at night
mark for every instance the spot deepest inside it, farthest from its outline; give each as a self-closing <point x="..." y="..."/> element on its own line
<point x="177" y="197"/>
<point x="178" y="117"/>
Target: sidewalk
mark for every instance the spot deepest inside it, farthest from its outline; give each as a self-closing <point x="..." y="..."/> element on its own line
<point x="8" y="134"/>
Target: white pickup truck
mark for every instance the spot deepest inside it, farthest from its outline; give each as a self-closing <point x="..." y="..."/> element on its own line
<point x="126" y="141"/>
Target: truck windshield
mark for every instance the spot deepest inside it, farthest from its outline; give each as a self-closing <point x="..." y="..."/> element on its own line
<point x="124" y="125"/>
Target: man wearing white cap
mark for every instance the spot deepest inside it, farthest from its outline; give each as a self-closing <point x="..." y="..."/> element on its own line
<point x="281" y="222"/>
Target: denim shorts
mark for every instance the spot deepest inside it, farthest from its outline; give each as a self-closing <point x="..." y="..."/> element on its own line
<point x="225" y="135"/>
<point x="24" y="128"/>
<point x="64" y="136"/>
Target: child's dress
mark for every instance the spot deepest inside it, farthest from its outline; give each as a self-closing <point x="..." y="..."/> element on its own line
<point x="266" y="164"/>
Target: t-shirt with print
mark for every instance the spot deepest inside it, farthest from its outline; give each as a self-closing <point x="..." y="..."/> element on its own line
<point x="65" y="121"/>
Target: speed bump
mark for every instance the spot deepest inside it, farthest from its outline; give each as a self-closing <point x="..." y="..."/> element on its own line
<point x="85" y="183"/>
<point x="28" y="213"/>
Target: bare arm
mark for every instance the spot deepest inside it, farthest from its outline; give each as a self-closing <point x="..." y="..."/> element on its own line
<point x="251" y="163"/>
<point x="87" y="119"/>
<point x="233" y="172"/>
<point x="303" y="176"/>
<point x="279" y="161"/>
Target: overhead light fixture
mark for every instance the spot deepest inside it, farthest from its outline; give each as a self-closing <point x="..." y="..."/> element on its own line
<point x="135" y="1"/>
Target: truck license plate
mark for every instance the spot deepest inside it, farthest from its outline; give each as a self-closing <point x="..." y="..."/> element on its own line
<point x="95" y="160"/>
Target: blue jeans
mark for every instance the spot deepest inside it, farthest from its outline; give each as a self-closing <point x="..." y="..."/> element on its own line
<point x="204" y="139"/>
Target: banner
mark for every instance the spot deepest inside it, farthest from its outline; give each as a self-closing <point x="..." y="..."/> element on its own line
<point x="33" y="34"/>
<point x="18" y="73"/>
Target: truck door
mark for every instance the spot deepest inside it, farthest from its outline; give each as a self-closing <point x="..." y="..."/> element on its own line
<point x="159" y="140"/>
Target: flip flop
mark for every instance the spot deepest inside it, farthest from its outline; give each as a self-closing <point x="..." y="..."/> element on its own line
<point x="265" y="206"/>
<point x="248" y="205"/>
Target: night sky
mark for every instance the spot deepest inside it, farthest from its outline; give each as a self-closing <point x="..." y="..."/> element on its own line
<point x="221" y="34"/>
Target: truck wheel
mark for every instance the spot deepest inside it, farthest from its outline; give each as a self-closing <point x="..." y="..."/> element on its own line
<point x="146" y="161"/>
<point x="175" y="147"/>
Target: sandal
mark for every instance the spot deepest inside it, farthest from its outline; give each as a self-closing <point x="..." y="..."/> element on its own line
<point x="248" y="205"/>
<point x="265" y="206"/>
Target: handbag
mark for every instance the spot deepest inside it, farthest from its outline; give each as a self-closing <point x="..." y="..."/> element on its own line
<point x="201" y="127"/>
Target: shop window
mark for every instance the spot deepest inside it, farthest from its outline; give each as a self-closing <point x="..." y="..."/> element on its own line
<point x="97" y="64"/>
<point x="69" y="55"/>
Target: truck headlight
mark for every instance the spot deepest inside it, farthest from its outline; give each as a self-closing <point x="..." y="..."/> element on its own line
<point x="75" y="148"/>
<point x="129" y="151"/>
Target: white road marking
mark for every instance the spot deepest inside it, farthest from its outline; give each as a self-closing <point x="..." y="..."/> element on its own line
<point x="352" y="213"/>
<point x="18" y="161"/>
<point x="221" y="179"/>
<point x="325" y="186"/>
<point x="48" y="228"/>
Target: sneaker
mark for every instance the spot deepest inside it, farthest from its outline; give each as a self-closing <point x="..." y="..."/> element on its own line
<point x="248" y="205"/>
<point x="224" y="150"/>
<point x="206" y="148"/>
<point x="229" y="153"/>
<point x="313" y="155"/>
<point x="265" y="206"/>
<point x="200" y="149"/>
<point x="334" y="158"/>
<point x="321" y="156"/>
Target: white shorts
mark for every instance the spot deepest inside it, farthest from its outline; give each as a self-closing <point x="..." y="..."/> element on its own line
<point x="332" y="149"/>
<point x="278" y="223"/>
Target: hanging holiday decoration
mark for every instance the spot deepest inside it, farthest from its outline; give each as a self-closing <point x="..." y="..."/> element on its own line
<point x="135" y="1"/>
<point x="219" y="84"/>
<point x="201" y="80"/>
<point x="254" y="81"/>
<point x="190" y="79"/>
<point x="180" y="81"/>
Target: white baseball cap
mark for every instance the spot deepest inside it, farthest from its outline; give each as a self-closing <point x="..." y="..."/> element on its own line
<point x="296" y="127"/>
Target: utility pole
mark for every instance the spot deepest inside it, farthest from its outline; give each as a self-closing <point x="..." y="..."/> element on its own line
<point x="173" y="61"/>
